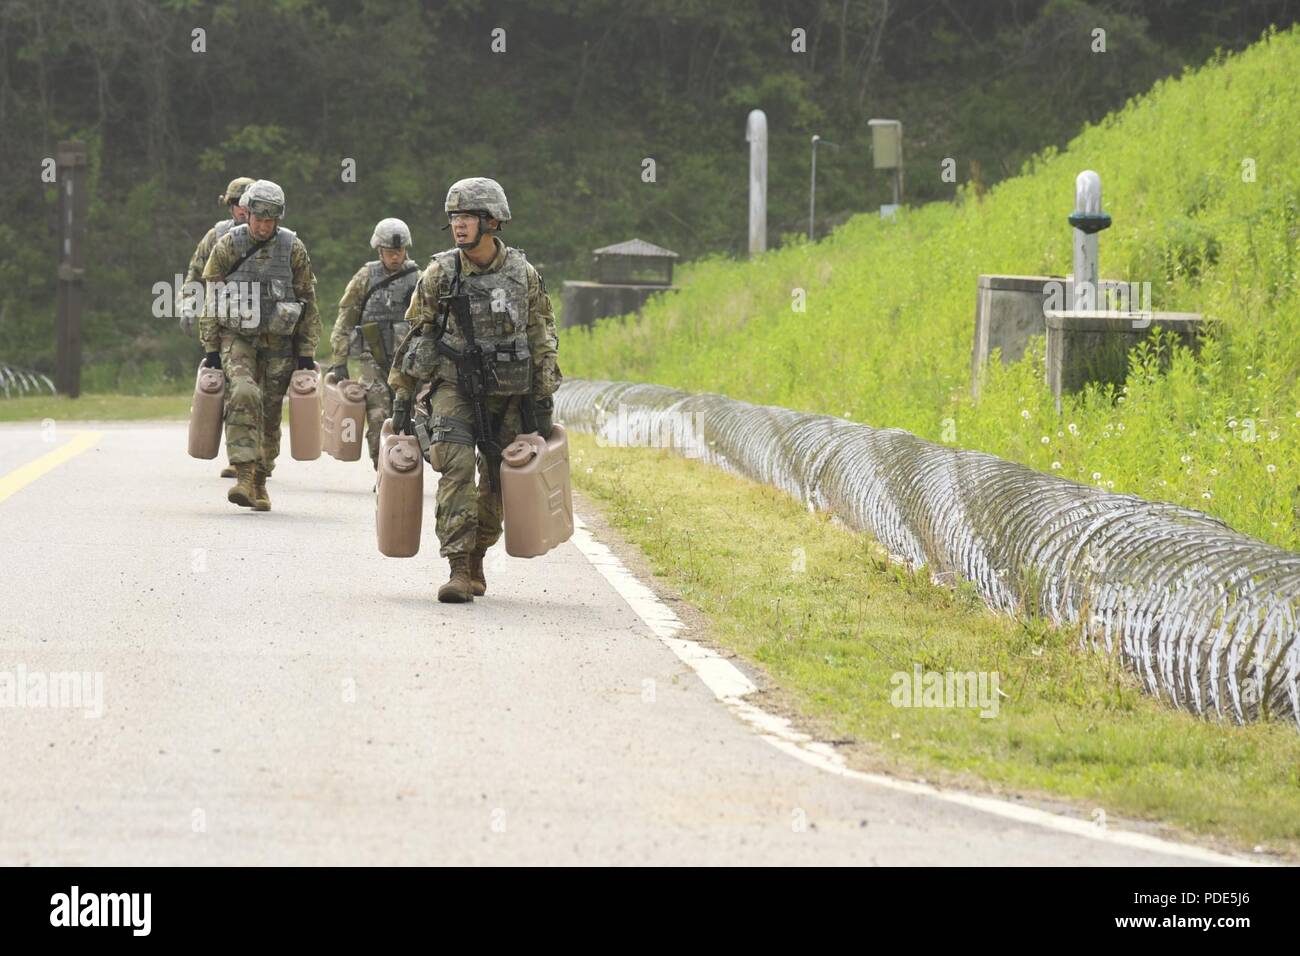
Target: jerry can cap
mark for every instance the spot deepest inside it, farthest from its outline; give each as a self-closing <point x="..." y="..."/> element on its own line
<point x="518" y="453"/>
<point x="353" y="391"/>
<point x="303" y="381"/>
<point x="402" y="457"/>
<point x="212" y="380"/>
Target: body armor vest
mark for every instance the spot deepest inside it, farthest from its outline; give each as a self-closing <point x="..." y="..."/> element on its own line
<point x="221" y="228"/>
<point x="498" y="308"/>
<point x="385" y="309"/>
<point x="270" y="267"/>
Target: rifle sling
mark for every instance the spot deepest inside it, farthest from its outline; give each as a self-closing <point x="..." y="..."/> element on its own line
<point x="387" y="280"/>
<point x="244" y="258"/>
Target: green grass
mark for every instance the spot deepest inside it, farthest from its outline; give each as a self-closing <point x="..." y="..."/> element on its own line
<point x="886" y="335"/>
<point x="95" y="408"/>
<point x="830" y="621"/>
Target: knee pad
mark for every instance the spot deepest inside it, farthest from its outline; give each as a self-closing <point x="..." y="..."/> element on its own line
<point x="245" y="392"/>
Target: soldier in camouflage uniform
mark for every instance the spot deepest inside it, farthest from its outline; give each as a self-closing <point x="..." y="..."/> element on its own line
<point x="511" y="320"/>
<point x="372" y="321"/>
<point x="259" y="344"/>
<point x="238" y="214"/>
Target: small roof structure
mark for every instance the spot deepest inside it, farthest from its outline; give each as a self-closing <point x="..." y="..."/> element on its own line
<point x="636" y="247"/>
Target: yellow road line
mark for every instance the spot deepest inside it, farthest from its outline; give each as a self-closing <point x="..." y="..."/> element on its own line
<point x="20" y="478"/>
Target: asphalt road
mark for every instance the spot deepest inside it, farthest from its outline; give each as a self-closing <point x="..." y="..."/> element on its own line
<point x="273" y="690"/>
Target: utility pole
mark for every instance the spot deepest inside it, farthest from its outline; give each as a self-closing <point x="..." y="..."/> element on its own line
<point x="812" y="190"/>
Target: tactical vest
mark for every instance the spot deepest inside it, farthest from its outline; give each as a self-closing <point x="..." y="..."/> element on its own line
<point x="498" y="307"/>
<point x="221" y="228"/>
<point x="270" y="267"/>
<point x="385" y="309"/>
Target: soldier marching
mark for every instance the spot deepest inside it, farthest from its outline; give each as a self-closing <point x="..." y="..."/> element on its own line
<point x="462" y="355"/>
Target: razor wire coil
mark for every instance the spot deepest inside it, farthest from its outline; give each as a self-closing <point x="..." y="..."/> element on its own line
<point x="1204" y="615"/>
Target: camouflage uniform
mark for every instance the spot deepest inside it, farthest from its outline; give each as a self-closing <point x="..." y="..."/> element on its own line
<point x="346" y="339"/>
<point x="258" y="365"/>
<point x="203" y="250"/>
<point x="470" y="520"/>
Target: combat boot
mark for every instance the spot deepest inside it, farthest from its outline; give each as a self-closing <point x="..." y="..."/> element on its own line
<point x="477" y="582"/>
<point x="261" y="498"/>
<point x="457" y="590"/>
<point x="243" y="493"/>
<point x="228" y="471"/>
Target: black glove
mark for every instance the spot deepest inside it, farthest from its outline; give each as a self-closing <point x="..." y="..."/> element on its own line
<point x="306" y="362"/>
<point x="545" y="415"/>
<point x="340" y="373"/>
<point x="212" y="360"/>
<point x="402" y="416"/>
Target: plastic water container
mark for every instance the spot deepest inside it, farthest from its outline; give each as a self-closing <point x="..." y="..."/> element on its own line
<point x="535" y="493"/>
<point x="343" y="419"/>
<point x="399" y="494"/>
<point x="304" y="414"/>
<point x="206" y="412"/>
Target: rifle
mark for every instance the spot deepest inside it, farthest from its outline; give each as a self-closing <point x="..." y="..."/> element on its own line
<point x="370" y="331"/>
<point x="474" y="373"/>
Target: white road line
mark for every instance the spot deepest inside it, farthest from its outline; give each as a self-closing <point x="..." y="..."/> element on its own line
<point x="731" y="686"/>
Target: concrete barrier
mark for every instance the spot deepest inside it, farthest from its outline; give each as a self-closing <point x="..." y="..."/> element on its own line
<point x="1085" y="347"/>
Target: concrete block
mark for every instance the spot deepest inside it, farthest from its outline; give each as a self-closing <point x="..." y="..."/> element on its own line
<point x="1087" y="347"/>
<point x="1010" y="309"/>
<point x="581" y="303"/>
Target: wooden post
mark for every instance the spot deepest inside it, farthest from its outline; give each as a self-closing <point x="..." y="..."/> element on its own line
<point x="70" y="164"/>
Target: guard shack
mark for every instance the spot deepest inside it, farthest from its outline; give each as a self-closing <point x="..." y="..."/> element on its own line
<point x="627" y="273"/>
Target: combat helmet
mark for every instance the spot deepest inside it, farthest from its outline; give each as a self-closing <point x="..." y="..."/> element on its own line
<point x="478" y="194"/>
<point x="234" y="191"/>
<point x="390" y="234"/>
<point x="264" y="199"/>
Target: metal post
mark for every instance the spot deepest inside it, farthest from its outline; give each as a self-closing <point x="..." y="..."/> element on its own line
<point x="70" y="166"/>
<point x="812" y="190"/>
<point x="756" y="136"/>
<point x="1087" y="220"/>
<point x="887" y="153"/>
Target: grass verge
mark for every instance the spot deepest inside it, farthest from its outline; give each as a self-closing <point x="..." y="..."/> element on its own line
<point x="89" y="408"/>
<point x="831" y="621"/>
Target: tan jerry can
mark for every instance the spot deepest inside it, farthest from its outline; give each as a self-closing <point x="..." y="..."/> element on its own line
<point x="343" y="418"/>
<point x="304" y="414"/>
<point x="399" y="494"/>
<point x="535" y="493"/>
<point x="206" y="412"/>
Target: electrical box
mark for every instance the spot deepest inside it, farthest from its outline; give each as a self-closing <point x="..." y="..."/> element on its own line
<point x="886" y="143"/>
